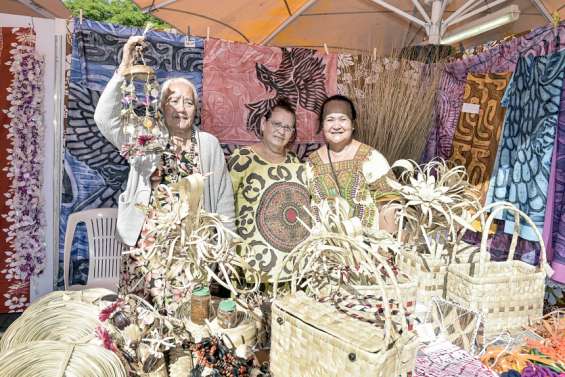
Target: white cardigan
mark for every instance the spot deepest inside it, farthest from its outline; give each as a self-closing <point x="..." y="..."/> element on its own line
<point x="218" y="192"/>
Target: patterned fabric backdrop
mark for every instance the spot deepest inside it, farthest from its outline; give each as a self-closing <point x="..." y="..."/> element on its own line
<point x="242" y="82"/>
<point x="95" y="174"/>
<point x="476" y="138"/>
<point x="523" y="163"/>
<point x="499" y="59"/>
<point x="557" y="198"/>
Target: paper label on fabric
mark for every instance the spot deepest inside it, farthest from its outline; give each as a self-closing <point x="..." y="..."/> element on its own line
<point x="189" y="42"/>
<point x="471" y="108"/>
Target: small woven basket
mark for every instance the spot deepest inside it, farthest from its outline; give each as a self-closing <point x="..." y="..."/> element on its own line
<point x="509" y="294"/>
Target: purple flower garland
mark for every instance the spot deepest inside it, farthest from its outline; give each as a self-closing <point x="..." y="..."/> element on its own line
<point x="26" y="235"/>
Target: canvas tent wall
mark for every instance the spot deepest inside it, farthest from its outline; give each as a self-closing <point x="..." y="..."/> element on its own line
<point x="340" y="24"/>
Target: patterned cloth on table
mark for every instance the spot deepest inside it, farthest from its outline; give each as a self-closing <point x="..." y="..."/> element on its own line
<point x="269" y="201"/>
<point x="242" y="82"/>
<point x="95" y="173"/>
<point x="443" y="359"/>
<point x="477" y="134"/>
<point x="351" y="183"/>
<point x="523" y="163"/>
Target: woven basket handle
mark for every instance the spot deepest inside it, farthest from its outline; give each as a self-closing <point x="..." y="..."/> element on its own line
<point x="495" y="208"/>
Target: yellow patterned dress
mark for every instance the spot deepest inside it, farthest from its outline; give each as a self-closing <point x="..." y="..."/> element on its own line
<point x="269" y="201"/>
<point x="353" y="181"/>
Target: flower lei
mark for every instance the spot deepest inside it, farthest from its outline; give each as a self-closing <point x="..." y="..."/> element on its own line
<point x="26" y="134"/>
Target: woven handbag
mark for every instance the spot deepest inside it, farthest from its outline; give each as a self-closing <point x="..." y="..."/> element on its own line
<point x="509" y="294"/>
<point x="370" y="336"/>
<point x="312" y="339"/>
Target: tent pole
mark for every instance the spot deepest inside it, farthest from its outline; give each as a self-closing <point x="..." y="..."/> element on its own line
<point x="421" y="10"/>
<point x="543" y="10"/>
<point x="475" y="12"/>
<point x="434" y="33"/>
<point x="459" y="11"/>
<point x="401" y="13"/>
<point x="282" y="26"/>
<point x="158" y="6"/>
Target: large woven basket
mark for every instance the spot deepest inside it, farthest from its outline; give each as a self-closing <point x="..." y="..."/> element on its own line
<point x="510" y="293"/>
<point x="313" y="339"/>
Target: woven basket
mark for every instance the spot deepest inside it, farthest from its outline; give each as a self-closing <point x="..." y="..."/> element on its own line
<point x="508" y="293"/>
<point x="48" y="358"/>
<point x="431" y="272"/>
<point x="312" y="339"/>
<point x="71" y="321"/>
<point x="407" y="285"/>
<point x="89" y="296"/>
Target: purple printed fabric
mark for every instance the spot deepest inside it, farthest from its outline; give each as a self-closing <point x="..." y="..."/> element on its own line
<point x="443" y="359"/>
<point x="558" y="205"/>
<point x="501" y="58"/>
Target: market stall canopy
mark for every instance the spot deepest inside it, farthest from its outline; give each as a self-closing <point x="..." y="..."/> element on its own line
<point x="35" y="8"/>
<point x="340" y="24"/>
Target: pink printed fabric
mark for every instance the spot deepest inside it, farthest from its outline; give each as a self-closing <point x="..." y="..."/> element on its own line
<point x="241" y="82"/>
<point x="443" y="359"/>
<point x="501" y="58"/>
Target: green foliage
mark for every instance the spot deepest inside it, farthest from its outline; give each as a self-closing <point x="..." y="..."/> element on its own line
<point x="122" y="12"/>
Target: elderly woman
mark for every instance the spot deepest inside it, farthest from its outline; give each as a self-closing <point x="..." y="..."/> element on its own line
<point x="189" y="151"/>
<point x="347" y="168"/>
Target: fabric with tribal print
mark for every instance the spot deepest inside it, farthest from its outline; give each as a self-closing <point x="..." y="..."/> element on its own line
<point x="243" y="82"/>
<point x="557" y="202"/>
<point x="269" y="201"/>
<point x="499" y="59"/>
<point x="476" y="138"/>
<point x="523" y="163"/>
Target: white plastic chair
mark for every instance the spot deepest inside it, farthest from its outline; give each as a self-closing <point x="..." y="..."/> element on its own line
<point x="104" y="249"/>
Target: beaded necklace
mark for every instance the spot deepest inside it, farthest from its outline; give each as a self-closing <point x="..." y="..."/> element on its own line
<point x="176" y="166"/>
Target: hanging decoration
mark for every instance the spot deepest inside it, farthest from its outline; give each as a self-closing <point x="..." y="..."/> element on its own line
<point x="23" y="221"/>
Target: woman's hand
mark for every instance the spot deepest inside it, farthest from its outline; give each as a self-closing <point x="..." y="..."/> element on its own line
<point x="128" y="55"/>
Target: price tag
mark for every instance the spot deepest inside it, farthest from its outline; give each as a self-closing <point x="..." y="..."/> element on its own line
<point x="471" y="108"/>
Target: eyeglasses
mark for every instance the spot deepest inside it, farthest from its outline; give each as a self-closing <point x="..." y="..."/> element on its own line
<point x="282" y="127"/>
<point x="175" y="101"/>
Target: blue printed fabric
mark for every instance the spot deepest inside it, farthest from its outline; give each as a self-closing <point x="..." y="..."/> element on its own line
<point x="523" y="162"/>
